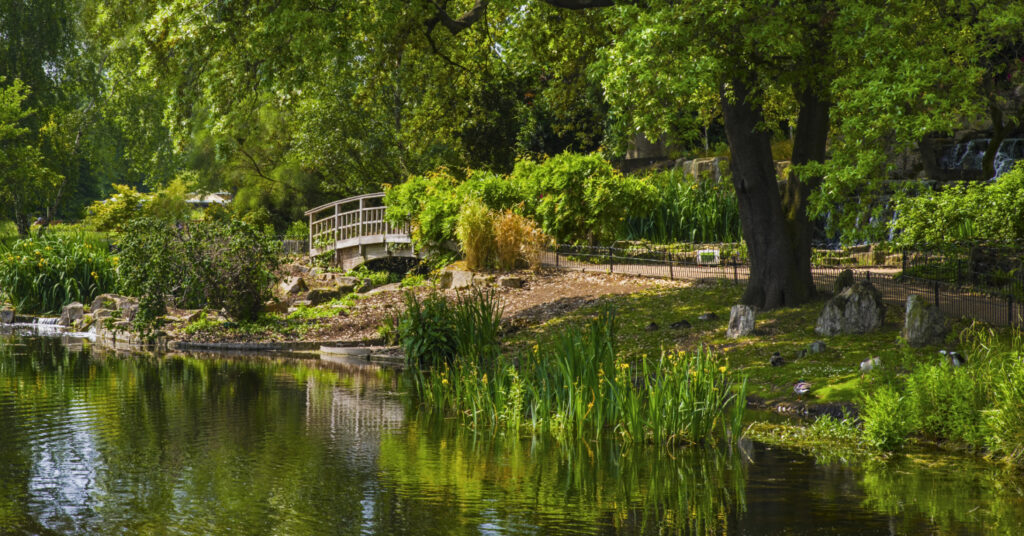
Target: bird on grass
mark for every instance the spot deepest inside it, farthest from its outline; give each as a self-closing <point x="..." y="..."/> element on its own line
<point x="870" y="363"/>
<point x="776" y="360"/>
<point x="802" y="388"/>
<point x="955" y="359"/>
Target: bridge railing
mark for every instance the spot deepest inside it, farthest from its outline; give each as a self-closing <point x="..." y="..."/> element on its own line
<point x="352" y="221"/>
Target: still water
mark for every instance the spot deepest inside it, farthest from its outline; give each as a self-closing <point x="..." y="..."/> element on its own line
<point x="92" y="443"/>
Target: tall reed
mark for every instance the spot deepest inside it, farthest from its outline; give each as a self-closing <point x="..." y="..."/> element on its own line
<point x="42" y="274"/>
<point x="688" y="210"/>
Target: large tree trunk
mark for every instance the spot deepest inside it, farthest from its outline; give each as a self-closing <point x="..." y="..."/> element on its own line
<point x="808" y="146"/>
<point x="779" y="270"/>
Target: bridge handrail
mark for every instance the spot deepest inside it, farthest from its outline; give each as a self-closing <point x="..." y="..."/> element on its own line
<point x="327" y="234"/>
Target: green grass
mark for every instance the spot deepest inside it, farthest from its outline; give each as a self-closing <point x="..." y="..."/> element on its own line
<point x="834" y="373"/>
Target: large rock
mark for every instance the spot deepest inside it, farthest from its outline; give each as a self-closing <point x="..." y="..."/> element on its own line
<point x="858" y="309"/>
<point x="291" y="285"/>
<point x="6" y="315"/>
<point x="461" y="279"/>
<point x="105" y="301"/>
<point x="924" y="323"/>
<point x="511" y="281"/>
<point x="318" y="296"/>
<point x="70" y="313"/>
<point x="741" y="321"/>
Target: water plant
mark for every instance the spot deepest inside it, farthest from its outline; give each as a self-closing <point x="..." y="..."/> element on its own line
<point x="577" y="386"/>
<point x="39" y="275"/>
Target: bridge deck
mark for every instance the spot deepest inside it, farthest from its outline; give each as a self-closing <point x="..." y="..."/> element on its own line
<point x="354" y="228"/>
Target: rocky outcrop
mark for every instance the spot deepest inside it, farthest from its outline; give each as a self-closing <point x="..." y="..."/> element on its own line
<point x="290" y="286"/>
<point x="71" y="313"/>
<point x="6" y="315"/>
<point x="924" y="323"/>
<point x="741" y="321"/>
<point x="858" y="309"/>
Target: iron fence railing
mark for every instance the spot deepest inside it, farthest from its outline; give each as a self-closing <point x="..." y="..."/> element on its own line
<point x="968" y="293"/>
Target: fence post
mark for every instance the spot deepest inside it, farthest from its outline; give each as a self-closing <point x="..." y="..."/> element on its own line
<point x="1009" y="310"/>
<point x="556" y="256"/>
<point x="867" y="275"/>
<point x="611" y="266"/>
<point x="936" y="286"/>
<point x="904" y="261"/>
<point x="735" y="273"/>
<point x="668" y="258"/>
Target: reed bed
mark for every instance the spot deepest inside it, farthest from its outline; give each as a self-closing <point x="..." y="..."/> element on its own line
<point x="577" y="386"/>
<point x="688" y="210"/>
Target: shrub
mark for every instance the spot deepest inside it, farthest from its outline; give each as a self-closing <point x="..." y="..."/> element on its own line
<point x="947" y="403"/>
<point x="41" y="275"/>
<point x="114" y="212"/>
<point x="580" y="198"/>
<point x="199" y="264"/>
<point x="475" y="230"/>
<point x="298" y="230"/>
<point x="964" y="211"/>
<point x="426" y="331"/>
<point x="429" y="202"/>
<point x="517" y="237"/>
<point x="886" y="424"/>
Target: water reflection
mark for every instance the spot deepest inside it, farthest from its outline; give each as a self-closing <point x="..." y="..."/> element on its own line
<point x="103" y="444"/>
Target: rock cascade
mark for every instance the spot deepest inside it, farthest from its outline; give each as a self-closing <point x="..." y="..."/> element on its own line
<point x="71" y="313"/>
<point x="924" y="323"/>
<point x="858" y="309"/>
<point x="741" y="321"/>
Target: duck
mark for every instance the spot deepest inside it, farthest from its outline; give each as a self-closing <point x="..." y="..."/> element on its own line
<point x="776" y="360"/>
<point x="955" y="359"/>
<point x="801" y="388"/>
<point x="868" y="364"/>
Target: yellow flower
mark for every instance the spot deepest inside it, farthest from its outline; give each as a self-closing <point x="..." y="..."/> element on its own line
<point x="484" y="379"/>
<point x="444" y="381"/>
<point x="590" y="406"/>
<point x="95" y="275"/>
<point x="722" y="369"/>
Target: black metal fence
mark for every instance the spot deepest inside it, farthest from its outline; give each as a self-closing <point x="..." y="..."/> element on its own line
<point x="971" y="292"/>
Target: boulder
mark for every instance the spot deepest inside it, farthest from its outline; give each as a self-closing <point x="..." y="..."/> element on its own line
<point x="129" y="307"/>
<point x="105" y="301"/>
<point x="445" y="279"/>
<point x="274" y="306"/>
<point x="291" y="285"/>
<point x="741" y="321"/>
<point x="511" y="281"/>
<point x="816" y="347"/>
<point x="461" y="279"/>
<point x="323" y="295"/>
<point x="843" y="282"/>
<point x="70" y="313"/>
<point x="858" y="309"/>
<point x="924" y="324"/>
<point x="6" y="315"/>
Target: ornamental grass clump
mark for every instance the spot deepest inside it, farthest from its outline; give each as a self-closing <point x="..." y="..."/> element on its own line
<point x="41" y="275"/>
<point x="475" y="230"/>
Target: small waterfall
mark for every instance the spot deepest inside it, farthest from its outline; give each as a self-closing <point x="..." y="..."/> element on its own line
<point x="47" y="321"/>
<point x="970" y="155"/>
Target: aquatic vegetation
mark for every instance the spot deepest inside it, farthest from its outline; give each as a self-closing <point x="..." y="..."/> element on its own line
<point x="40" y="275"/>
<point x="886" y="424"/>
<point x="577" y="386"/>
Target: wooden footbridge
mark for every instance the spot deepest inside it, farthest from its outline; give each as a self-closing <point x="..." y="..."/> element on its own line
<point x="355" y="230"/>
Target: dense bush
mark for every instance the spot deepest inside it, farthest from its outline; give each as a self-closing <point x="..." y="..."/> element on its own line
<point x="581" y="198"/>
<point x="200" y="264"/>
<point x="965" y="211"/>
<point x="574" y="198"/>
<point x="947" y="404"/>
<point x="127" y="204"/>
<point x="1006" y="421"/>
<point x="688" y="210"/>
<point x="42" y="274"/>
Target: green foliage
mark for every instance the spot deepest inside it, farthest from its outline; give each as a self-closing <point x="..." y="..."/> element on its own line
<point x="114" y="212"/>
<point x="298" y="230"/>
<point x="965" y="211"/>
<point x="1005" y="422"/>
<point x="946" y="403"/>
<point x="199" y="264"/>
<point x="581" y="198"/>
<point x="475" y="231"/>
<point x="427" y="201"/>
<point x="886" y="422"/>
<point x="577" y="385"/>
<point x="42" y="274"/>
<point x="688" y="210"/>
<point x="426" y="331"/>
<point x="517" y="238"/>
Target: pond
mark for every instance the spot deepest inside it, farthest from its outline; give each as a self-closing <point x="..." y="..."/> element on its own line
<point x="94" y="443"/>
